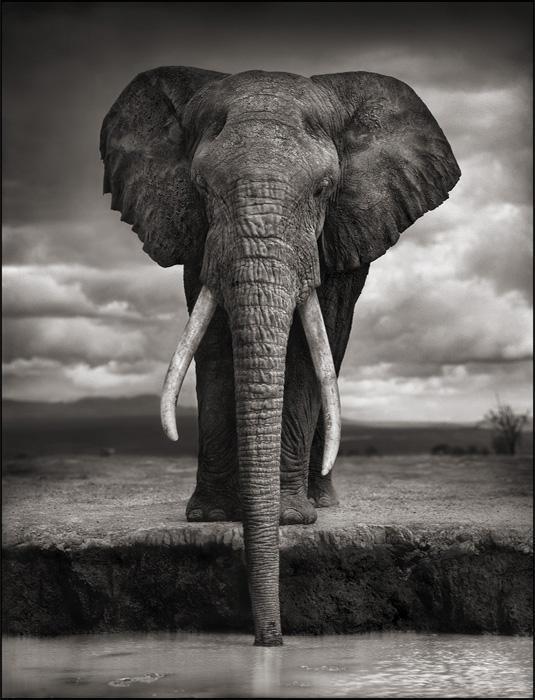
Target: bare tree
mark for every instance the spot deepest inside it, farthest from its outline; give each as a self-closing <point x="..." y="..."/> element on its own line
<point x="507" y="427"/>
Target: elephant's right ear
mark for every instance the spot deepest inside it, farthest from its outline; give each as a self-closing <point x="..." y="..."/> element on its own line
<point x="143" y="148"/>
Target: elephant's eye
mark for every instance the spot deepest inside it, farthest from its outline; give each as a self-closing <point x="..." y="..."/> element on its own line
<point x="199" y="181"/>
<point x="323" y="185"/>
<point x="218" y="125"/>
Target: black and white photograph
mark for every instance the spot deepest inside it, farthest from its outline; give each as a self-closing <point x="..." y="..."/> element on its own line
<point x="267" y="370"/>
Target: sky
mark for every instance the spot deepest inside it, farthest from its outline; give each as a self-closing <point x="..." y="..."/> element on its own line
<point x="444" y="324"/>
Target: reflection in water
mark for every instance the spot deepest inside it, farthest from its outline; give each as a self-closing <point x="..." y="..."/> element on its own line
<point x="217" y="665"/>
<point x="266" y="670"/>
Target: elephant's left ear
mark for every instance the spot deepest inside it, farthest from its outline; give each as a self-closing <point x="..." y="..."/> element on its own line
<point x="396" y="164"/>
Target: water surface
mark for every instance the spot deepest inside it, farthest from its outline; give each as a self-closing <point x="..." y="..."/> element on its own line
<point x="165" y="665"/>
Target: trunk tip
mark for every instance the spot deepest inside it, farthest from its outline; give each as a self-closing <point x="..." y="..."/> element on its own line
<point x="276" y="642"/>
<point x="269" y="635"/>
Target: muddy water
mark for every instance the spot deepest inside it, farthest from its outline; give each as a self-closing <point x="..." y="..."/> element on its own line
<point x="209" y="665"/>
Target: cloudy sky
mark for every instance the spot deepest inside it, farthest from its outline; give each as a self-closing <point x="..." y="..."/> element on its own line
<point x="444" y="322"/>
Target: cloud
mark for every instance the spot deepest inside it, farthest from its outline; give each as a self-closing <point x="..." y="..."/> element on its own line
<point x="90" y="340"/>
<point x="142" y="292"/>
<point x="38" y="294"/>
<point x="98" y="241"/>
<point x="500" y="249"/>
<point x="481" y="230"/>
<point x="416" y="308"/>
<point x="445" y="317"/>
<point x="457" y="393"/>
<point x="72" y="330"/>
<point x="72" y="339"/>
<point x="50" y="380"/>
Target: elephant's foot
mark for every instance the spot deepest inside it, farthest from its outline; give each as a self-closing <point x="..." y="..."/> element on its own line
<point x="212" y="507"/>
<point x="296" y="509"/>
<point x="321" y="493"/>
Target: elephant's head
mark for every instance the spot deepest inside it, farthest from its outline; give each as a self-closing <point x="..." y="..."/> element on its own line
<point x="254" y="178"/>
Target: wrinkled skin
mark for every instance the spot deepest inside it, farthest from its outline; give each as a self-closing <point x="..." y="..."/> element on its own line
<point x="216" y="496"/>
<point x="268" y="186"/>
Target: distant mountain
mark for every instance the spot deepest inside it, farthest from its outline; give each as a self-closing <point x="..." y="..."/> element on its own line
<point x="99" y="407"/>
<point x="132" y="426"/>
<point x="149" y="405"/>
<point x="407" y="424"/>
<point x="127" y="426"/>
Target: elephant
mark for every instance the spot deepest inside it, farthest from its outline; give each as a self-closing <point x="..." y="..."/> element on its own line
<point x="275" y="192"/>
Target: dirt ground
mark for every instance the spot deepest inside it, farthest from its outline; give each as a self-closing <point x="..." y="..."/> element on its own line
<point x="76" y="499"/>
<point x="100" y="544"/>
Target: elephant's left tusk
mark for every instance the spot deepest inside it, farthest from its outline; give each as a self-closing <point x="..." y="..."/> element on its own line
<point x="187" y="345"/>
<point x="322" y="359"/>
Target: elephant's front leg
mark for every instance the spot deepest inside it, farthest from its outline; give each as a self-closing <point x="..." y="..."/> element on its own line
<point x="321" y="489"/>
<point x="216" y="495"/>
<point x="338" y="295"/>
<point x="301" y="408"/>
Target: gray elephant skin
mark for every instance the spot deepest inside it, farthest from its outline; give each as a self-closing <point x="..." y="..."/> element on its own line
<point x="275" y="192"/>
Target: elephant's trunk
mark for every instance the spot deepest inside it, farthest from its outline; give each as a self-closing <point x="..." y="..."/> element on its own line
<point x="260" y="291"/>
<point x="260" y="318"/>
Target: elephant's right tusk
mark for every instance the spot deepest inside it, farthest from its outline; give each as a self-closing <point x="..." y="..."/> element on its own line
<point x="322" y="358"/>
<point x="187" y="345"/>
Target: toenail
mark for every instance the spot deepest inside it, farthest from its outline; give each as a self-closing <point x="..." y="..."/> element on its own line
<point x="292" y="513"/>
<point x="216" y="514"/>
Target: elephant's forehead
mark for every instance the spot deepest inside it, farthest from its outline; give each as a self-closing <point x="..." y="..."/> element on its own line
<point x="270" y="91"/>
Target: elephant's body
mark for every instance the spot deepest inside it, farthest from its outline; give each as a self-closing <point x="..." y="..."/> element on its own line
<point x="275" y="192"/>
<point x="216" y="496"/>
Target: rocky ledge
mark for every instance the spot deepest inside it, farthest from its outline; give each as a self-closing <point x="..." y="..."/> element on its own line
<point x="96" y="544"/>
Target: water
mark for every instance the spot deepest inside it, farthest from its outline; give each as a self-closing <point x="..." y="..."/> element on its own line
<point x="209" y="665"/>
